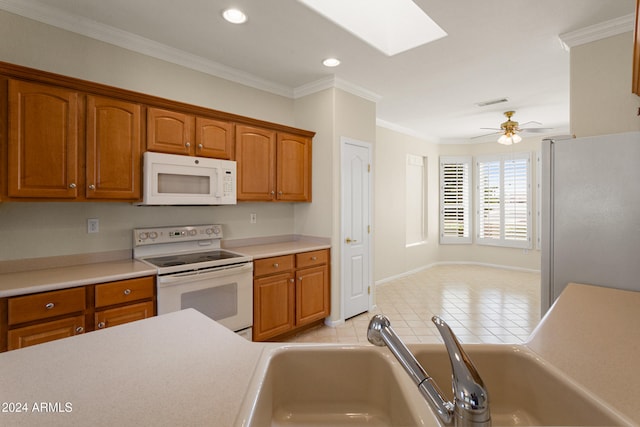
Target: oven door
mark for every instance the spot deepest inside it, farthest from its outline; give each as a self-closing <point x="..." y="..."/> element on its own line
<point x="225" y="294"/>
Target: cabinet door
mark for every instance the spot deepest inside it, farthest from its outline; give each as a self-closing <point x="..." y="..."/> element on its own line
<point x="125" y="314"/>
<point x="273" y="306"/>
<point x="45" y="332"/>
<point x="256" y="157"/>
<point x="113" y="149"/>
<point x="43" y="141"/>
<point x="293" y="168"/>
<point x="312" y="294"/>
<point x="214" y="138"/>
<point x="169" y="131"/>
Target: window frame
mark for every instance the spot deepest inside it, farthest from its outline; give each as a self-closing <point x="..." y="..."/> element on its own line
<point x="412" y="160"/>
<point x="465" y="205"/>
<point x="502" y="238"/>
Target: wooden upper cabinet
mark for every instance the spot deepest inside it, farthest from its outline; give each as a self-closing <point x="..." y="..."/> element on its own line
<point x="214" y="138"/>
<point x="178" y="133"/>
<point x="293" y="168"/>
<point x="113" y="149"/>
<point x="636" y="52"/>
<point x="169" y="131"/>
<point x="42" y="141"/>
<point x="256" y="157"/>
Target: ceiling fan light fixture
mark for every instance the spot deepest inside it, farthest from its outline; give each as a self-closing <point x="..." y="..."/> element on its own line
<point x="508" y="139"/>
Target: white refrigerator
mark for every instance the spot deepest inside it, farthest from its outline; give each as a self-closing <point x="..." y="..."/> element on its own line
<point x="590" y="213"/>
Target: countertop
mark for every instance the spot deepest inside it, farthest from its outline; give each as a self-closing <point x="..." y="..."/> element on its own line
<point x="27" y="282"/>
<point x="179" y="369"/>
<point x="48" y="279"/>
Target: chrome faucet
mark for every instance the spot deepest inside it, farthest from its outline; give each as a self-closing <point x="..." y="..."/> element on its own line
<point x="470" y="406"/>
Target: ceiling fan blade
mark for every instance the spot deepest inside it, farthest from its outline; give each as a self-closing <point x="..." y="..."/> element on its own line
<point x="486" y="134"/>
<point x="535" y="130"/>
<point x="492" y="129"/>
<point x="529" y="123"/>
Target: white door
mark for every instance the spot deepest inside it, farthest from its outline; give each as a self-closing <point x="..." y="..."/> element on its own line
<point x="356" y="226"/>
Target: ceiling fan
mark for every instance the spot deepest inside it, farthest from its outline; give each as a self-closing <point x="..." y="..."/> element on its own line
<point x="510" y="129"/>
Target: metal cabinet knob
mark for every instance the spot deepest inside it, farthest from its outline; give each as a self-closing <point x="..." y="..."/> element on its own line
<point x="200" y="146"/>
<point x="272" y="192"/>
<point x="188" y="144"/>
<point x="79" y="330"/>
<point x="72" y="185"/>
<point x="127" y="291"/>
<point x="49" y="305"/>
<point x="92" y="187"/>
<point x="291" y="280"/>
<point x="300" y="278"/>
<point x="314" y="258"/>
<point x="279" y="193"/>
<point x="276" y="265"/>
<point x="101" y="325"/>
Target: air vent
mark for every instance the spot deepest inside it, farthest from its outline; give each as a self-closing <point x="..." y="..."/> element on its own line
<point x="492" y="102"/>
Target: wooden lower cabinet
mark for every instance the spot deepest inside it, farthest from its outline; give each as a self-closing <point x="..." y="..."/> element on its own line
<point x="46" y="316"/>
<point x="125" y="314"/>
<point x="45" y="332"/>
<point x="290" y="292"/>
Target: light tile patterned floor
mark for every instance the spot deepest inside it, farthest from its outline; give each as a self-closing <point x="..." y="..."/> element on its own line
<point x="480" y="304"/>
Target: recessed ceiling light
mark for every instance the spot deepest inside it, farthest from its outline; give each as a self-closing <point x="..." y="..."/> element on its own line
<point x="235" y="16"/>
<point x="331" y="62"/>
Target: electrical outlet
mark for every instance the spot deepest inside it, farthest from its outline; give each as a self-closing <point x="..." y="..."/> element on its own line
<point x="253" y="218"/>
<point x="93" y="225"/>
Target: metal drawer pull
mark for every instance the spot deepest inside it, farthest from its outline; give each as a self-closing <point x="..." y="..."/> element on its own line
<point x="92" y="187"/>
<point x="127" y="291"/>
<point x="276" y="265"/>
<point x="79" y="330"/>
<point x="101" y="325"/>
<point x="72" y="185"/>
<point x="291" y="280"/>
<point x="49" y="306"/>
<point x="313" y="258"/>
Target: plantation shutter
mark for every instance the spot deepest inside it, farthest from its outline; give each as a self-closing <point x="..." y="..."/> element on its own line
<point x="455" y="200"/>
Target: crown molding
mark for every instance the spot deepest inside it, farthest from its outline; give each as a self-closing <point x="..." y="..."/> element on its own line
<point x="600" y="31"/>
<point x="126" y="40"/>
<point x="335" y="82"/>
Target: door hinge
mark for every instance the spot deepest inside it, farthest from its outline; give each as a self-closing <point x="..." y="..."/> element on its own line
<point x="368" y="229"/>
<point x="369" y="290"/>
<point x="369" y="167"/>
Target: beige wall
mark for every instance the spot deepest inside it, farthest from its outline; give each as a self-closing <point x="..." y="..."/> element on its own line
<point x="601" y="98"/>
<point x="47" y="229"/>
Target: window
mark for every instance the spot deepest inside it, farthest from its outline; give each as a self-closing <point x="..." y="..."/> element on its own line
<point x="455" y="200"/>
<point x="415" y="200"/>
<point x="504" y="200"/>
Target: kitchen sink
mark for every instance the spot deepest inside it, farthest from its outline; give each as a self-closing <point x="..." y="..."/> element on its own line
<point x="333" y="385"/>
<point x="523" y="389"/>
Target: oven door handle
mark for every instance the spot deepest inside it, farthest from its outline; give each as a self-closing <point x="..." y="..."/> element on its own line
<point x="188" y="276"/>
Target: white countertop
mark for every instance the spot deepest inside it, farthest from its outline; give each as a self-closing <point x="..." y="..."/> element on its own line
<point x="179" y="369"/>
<point x="281" y="248"/>
<point x="27" y="282"/>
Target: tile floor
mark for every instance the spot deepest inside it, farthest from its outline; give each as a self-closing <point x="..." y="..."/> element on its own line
<point x="480" y="304"/>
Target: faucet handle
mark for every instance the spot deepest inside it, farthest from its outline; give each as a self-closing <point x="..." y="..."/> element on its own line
<point x="470" y="394"/>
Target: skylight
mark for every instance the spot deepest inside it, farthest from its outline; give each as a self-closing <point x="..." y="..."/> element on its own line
<point x="391" y="26"/>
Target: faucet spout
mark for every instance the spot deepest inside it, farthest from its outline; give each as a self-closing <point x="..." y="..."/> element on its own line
<point x="470" y="405"/>
<point x="470" y="394"/>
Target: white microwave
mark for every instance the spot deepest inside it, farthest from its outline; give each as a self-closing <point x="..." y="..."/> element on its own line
<point x="171" y="179"/>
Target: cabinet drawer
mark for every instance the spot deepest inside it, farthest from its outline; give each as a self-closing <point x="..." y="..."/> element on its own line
<point x="45" y="332"/>
<point x="45" y="305"/>
<point x="125" y="314"/>
<point x="124" y="291"/>
<point x="306" y="259"/>
<point x="262" y="267"/>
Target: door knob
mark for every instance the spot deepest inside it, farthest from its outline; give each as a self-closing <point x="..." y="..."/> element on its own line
<point x="348" y="240"/>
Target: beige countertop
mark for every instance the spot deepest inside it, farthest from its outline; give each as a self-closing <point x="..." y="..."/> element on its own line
<point x="281" y="248"/>
<point x="26" y="282"/>
<point x="592" y="334"/>
<point x="178" y="369"/>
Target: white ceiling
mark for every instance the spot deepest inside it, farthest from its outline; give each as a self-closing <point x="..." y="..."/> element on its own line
<point x="494" y="49"/>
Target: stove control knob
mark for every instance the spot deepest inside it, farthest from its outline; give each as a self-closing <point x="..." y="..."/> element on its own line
<point x="209" y="231"/>
<point x="143" y="236"/>
<point x="216" y="230"/>
<point x="153" y="235"/>
<point x="193" y="232"/>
